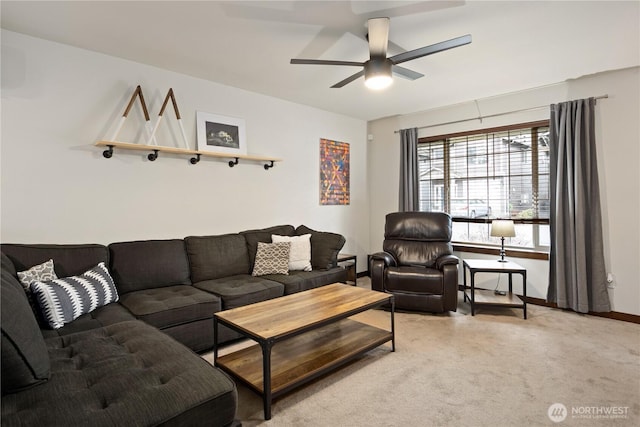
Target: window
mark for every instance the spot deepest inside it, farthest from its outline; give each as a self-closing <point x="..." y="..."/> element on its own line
<point x="492" y="173"/>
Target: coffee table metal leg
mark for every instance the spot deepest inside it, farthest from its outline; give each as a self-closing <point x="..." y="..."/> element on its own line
<point x="266" y="377"/>
<point x="393" y="326"/>
<point x="215" y="340"/>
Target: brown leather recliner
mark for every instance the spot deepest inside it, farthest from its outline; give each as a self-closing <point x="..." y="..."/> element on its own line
<point x="417" y="266"/>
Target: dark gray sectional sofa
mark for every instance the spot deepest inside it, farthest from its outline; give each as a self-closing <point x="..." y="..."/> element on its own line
<point x="134" y="361"/>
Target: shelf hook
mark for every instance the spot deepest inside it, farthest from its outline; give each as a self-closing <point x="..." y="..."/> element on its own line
<point x="268" y="166"/>
<point x="153" y="156"/>
<point x="232" y="163"/>
<point x="195" y="160"/>
<point x="108" y="153"/>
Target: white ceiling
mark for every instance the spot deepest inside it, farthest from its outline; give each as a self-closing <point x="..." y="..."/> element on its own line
<point x="516" y="45"/>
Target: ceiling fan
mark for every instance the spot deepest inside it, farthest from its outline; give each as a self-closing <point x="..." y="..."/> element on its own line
<point x="378" y="69"/>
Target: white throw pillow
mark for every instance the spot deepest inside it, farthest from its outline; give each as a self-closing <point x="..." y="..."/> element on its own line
<point x="300" y="253"/>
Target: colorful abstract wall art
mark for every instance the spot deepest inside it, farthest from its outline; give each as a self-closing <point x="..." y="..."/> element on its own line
<point x="334" y="173"/>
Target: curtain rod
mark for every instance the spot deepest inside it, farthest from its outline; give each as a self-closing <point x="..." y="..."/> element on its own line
<point x="480" y="117"/>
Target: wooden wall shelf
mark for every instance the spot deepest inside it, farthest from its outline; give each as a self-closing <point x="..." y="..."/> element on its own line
<point x="155" y="149"/>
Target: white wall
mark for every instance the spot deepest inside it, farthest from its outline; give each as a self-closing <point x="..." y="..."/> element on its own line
<point x="57" y="101"/>
<point x="618" y="139"/>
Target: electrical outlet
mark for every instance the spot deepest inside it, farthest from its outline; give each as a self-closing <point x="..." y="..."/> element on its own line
<point x="610" y="281"/>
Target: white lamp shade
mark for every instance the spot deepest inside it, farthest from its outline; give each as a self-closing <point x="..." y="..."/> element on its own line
<point x="502" y="228"/>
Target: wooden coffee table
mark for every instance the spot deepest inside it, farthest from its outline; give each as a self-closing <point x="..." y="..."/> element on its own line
<point x="300" y="337"/>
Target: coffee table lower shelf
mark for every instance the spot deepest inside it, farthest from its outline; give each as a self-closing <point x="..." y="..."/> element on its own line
<point x="305" y="357"/>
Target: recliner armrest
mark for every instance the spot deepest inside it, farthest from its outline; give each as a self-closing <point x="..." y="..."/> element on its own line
<point x="378" y="263"/>
<point x="446" y="260"/>
<point x="386" y="257"/>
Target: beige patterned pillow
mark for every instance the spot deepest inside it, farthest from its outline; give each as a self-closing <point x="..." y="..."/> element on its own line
<point x="37" y="273"/>
<point x="272" y="258"/>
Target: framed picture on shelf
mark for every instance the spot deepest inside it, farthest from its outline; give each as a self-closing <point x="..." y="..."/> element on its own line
<point x="220" y="134"/>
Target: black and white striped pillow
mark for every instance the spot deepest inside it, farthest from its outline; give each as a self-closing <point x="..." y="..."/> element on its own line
<point x="63" y="300"/>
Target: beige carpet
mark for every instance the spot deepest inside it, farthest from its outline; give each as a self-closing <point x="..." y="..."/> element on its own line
<point x="494" y="369"/>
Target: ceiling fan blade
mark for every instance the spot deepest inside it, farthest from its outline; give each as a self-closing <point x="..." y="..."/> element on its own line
<point x="428" y="50"/>
<point x="406" y="73"/>
<point x="348" y="79"/>
<point x="378" y="37"/>
<point x="325" y="62"/>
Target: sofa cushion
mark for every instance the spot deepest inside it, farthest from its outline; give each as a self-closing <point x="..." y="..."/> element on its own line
<point x="172" y="305"/>
<point x="298" y="281"/>
<point x="197" y="335"/>
<point x="421" y="280"/>
<point x="416" y="253"/>
<point x="147" y="264"/>
<point x="69" y="260"/>
<point x="63" y="300"/>
<point x="101" y="316"/>
<point x="264" y="236"/>
<point x="325" y="247"/>
<point x="25" y="361"/>
<point x="418" y="226"/>
<point x="300" y="251"/>
<point x="212" y="257"/>
<point x="7" y="265"/>
<point x="272" y="258"/>
<point x="37" y="273"/>
<point x="124" y="374"/>
<point x="236" y="291"/>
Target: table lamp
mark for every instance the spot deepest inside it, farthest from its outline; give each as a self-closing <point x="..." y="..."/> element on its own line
<point x="502" y="228"/>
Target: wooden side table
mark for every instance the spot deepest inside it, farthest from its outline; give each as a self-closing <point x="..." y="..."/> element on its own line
<point x="482" y="297"/>
<point x="349" y="263"/>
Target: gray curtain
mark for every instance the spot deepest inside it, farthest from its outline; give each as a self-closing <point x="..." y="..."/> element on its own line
<point x="409" y="183"/>
<point x="577" y="273"/>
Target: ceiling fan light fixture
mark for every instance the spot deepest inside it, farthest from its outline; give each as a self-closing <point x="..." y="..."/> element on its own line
<point x="378" y="82"/>
<point x="377" y="73"/>
<point x="377" y="70"/>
